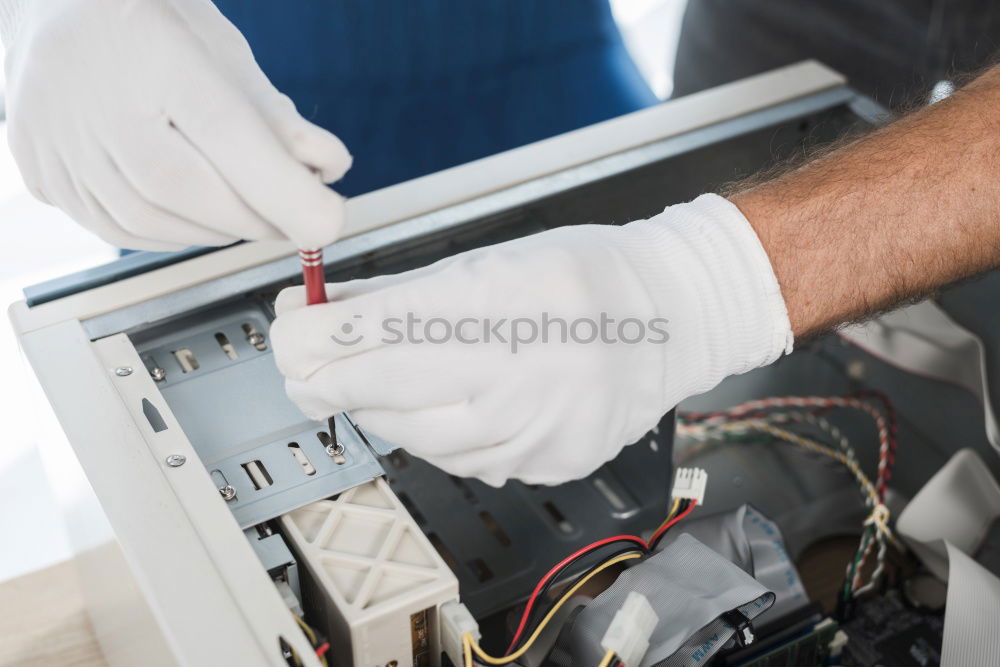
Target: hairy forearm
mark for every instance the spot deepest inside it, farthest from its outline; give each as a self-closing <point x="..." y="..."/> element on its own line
<point x="890" y="217"/>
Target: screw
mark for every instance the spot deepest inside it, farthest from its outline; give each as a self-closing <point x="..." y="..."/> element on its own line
<point x="256" y="339"/>
<point x="123" y="371"/>
<point x="158" y="374"/>
<point x="228" y="492"/>
<point x="176" y="460"/>
<point x="334" y="449"/>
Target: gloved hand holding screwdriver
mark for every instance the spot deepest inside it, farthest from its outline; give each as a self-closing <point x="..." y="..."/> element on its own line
<point x="150" y="123"/>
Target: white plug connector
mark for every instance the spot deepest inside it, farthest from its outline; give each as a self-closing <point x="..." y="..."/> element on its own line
<point x="456" y="620"/>
<point x="689" y="484"/>
<point x="630" y="630"/>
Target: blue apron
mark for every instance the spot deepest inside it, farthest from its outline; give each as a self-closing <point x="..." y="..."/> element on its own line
<point x="417" y="86"/>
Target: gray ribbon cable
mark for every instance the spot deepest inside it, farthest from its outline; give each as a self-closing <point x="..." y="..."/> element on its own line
<point x="691" y="587"/>
<point x="753" y="542"/>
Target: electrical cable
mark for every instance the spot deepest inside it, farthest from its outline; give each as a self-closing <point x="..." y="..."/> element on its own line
<point x="879" y="513"/>
<point x="537" y="611"/>
<point x="662" y="530"/>
<point x="543" y="585"/>
<point x="886" y="435"/>
<point x="467" y="650"/>
<point x="876" y="533"/>
<point x="674" y="507"/>
<point x="560" y="567"/>
<point x="608" y="657"/>
<point x="319" y="648"/>
<point x="507" y="659"/>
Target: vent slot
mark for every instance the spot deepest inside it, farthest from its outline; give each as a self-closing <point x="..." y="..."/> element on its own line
<point x="616" y="501"/>
<point x="442" y="550"/>
<point x="186" y="360"/>
<point x="464" y="488"/>
<point x="153" y="416"/>
<point x="494" y="528"/>
<point x="481" y="570"/>
<point x="558" y="517"/>
<point x="226" y="346"/>
<point x="301" y="458"/>
<point x="258" y="474"/>
<point x="288" y="653"/>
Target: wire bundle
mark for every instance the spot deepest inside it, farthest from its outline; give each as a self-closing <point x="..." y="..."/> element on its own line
<point x="319" y="646"/>
<point x="760" y="416"/>
<point x="629" y="547"/>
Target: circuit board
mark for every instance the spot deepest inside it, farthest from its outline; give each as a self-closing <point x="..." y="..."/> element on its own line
<point x="885" y="631"/>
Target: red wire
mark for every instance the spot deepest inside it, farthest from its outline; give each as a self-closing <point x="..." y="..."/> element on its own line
<point x="585" y="550"/>
<point x="322" y="649"/>
<point x="548" y="575"/>
<point x="658" y="534"/>
<point x="890" y="414"/>
<point x="887" y="439"/>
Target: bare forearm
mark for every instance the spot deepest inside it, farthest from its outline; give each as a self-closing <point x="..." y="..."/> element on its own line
<point x="890" y="217"/>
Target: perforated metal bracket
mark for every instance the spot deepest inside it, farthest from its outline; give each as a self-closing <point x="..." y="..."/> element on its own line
<point x="218" y="376"/>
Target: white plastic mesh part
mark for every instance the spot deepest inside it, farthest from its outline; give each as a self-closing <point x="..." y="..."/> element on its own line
<point x="376" y="569"/>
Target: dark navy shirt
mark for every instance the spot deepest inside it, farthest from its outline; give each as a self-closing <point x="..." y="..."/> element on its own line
<point x="416" y="86"/>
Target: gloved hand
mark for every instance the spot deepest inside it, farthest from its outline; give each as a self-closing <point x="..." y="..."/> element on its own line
<point x="449" y="361"/>
<point x="150" y="123"/>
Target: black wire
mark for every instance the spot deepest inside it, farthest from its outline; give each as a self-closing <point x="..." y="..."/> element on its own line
<point x="681" y="508"/>
<point x="537" y="614"/>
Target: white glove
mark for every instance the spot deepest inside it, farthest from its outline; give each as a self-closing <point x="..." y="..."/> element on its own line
<point x="540" y="411"/>
<point x="150" y="123"/>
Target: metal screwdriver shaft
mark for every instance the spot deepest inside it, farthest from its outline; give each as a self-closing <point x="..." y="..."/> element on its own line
<point x="315" y="281"/>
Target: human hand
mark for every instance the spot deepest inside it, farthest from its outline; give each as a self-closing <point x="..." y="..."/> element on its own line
<point x="150" y="123"/>
<point x="638" y="318"/>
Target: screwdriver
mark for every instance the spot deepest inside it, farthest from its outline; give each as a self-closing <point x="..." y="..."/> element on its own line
<point x="315" y="282"/>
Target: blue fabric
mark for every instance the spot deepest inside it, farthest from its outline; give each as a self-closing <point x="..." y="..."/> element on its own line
<point x="417" y="86"/>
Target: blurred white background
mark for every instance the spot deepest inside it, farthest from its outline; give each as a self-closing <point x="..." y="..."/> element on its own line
<point x="38" y="242"/>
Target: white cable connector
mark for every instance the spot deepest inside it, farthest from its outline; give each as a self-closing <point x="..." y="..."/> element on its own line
<point x="689" y="484"/>
<point x="630" y="630"/>
<point x="456" y="620"/>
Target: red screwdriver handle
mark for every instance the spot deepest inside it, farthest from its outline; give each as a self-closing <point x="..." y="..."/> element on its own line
<point x="315" y="279"/>
<point x="312" y="275"/>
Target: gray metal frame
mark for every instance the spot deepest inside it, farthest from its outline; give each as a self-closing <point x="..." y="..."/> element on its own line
<point x="266" y="424"/>
<point x="373" y="244"/>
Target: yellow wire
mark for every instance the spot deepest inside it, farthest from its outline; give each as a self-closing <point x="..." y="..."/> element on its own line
<point x="489" y="659"/>
<point x="467" y="650"/>
<point x="306" y="629"/>
<point x="311" y="634"/>
<point x="608" y="657"/>
<point x="670" y="514"/>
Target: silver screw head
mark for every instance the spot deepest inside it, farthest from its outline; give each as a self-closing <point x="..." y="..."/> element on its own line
<point x="256" y="339"/>
<point x="158" y="374"/>
<point x="176" y="460"/>
<point x="123" y="371"/>
<point x="334" y="449"/>
<point x="228" y="492"/>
